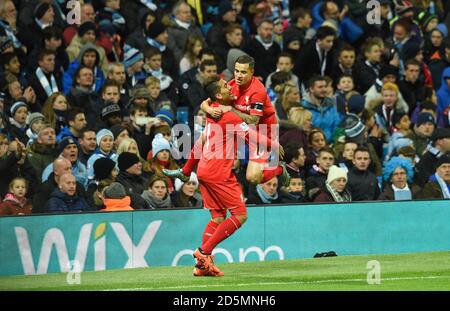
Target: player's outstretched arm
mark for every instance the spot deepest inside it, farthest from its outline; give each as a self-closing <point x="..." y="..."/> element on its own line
<point x="246" y="117"/>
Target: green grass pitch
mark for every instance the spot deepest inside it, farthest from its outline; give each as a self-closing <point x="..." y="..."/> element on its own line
<point x="418" y="271"/>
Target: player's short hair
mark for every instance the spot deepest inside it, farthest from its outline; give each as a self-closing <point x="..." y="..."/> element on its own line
<point x="246" y="59"/>
<point x="212" y="87"/>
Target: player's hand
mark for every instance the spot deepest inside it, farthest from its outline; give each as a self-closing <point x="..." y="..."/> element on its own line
<point x="215" y="112"/>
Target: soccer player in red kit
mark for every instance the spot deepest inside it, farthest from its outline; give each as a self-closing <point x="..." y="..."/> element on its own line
<point x="220" y="189"/>
<point x="252" y="104"/>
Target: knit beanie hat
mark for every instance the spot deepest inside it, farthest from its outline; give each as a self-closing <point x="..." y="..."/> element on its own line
<point x="179" y="183"/>
<point x="85" y="27"/>
<point x="353" y="126"/>
<point x="117" y="129"/>
<point x="127" y="160"/>
<point x="159" y="143"/>
<point x="386" y="70"/>
<point x="224" y="7"/>
<point x="425" y="117"/>
<point x="131" y="56"/>
<point x="33" y="117"/>
<point x="426" y="17"/>
<point x="102" y="133"/>
<point x="165" y="115"/>
<point x="66" y="141"/>
<point x="444" y="159"/>
<point x="106" y="26"/>
<point x="109" y="110"/>
<point x="356" y="104"/>
<point x="402" y="6"/>
<point x="16" y="107"/>
<point x="103" y="168"/>
<point x="40" y="9"/>
<point x="139" y="91"/>
<point x="156" y="29"/>
<point x="114" y="191"/>
<point x="443" y="29"/>
<point x="335" y="173"/>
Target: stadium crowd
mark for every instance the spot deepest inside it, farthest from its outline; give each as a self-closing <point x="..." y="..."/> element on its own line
<point x="87" y="109"/>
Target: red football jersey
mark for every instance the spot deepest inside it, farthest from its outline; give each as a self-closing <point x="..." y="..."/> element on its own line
<point x="254" y="101"/>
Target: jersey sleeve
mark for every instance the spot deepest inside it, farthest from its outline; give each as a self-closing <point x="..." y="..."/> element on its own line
<point x="257" y="103"/>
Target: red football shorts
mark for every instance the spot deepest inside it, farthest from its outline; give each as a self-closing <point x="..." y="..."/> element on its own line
<point x="219" y="198"/>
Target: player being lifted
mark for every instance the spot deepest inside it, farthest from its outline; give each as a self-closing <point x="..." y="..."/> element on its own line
<point x="253" y="106"/>
<point x="218" y="184"/>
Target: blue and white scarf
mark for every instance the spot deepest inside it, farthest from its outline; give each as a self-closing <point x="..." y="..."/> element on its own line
<point x="41" y="25"/>
<point x="149" y="4"/>
<point x="49" y="90"/>
<point x="164" y="79"/>
<point x="265" y="198"/>
<point x="10" y="33"/>
<point x="161" y="47"/>
<point x="444" y="186"/>
<point x="117" y="18"/>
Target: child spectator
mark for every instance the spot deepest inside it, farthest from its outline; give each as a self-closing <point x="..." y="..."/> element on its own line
<point x="153" y="67"/>
<point x="55" y="111"/>
<point x="284" y="63"/>
<point x="157" y="195"/>
<point x="35" y="122"/>
<point x="194" y="44"/>
<point x="158" y="99"/>
<point x="115" y="199"/>
<point x="296" y="192"/>
<point x="18" y="122"/>
<point x="401" y="130"/>
<point x="344" y="86"/>
<point x="316" y="141"/>
<point x="15" y="202"/>
<point x="345" y="160"/>
<point x="105" y="143"/>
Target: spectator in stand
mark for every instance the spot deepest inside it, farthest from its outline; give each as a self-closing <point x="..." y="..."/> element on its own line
<point x="105" y="143"/>
<point x="398" y="176"/>
<point x="265" y="193"/>
<point x="226" y="16"/>
<point x="439" y="147"/>
<point x="297" y="128"/>
<point x="317" y="174"/>
<point x="105" y="172"/>
<point x="345" y="160"/>
<point x="87" y="15"/>
<point x="116" y="72"/>
<point x="288" y="97"/>
<point x="422" y="132"/>
<point x="191" y="52"/>
<point x="45" y="80"/>
<point x="87" y="33"/>
<point x="317" y="57"/>
<point x="35" y="122"/>
<point x="285" y="63"/>
<point x="325" y="115"/>
<point x="233" y="38"/>
<point x="115" y="199"/>
<point x="443" y="95"/>
<point x="185" y="194"/>
<point x="76" y="123"/>
<point x="296" y="192"/>
<point x="300" y="26"/>
<point x="65" y="198"/>
<point x="316" y="141"/>
<point x="362" y="183"/>
<point x="9" y="26"/>
<point x="346" y="61"/>
<point x="438" y="186"/>
<point x="182" y="25"/>
<point x="157" y="195"/>
<point x="87" y="144"/>
<point x="368" y="67"/>
<point x="32" y="35"/>
<point x="412" y="89"/>
<point x="133" y="61"/>
<point x="18" y="122"/>
<point x="55" y="111"/>
<point x="43" y="151"/>
<point x="335" y="189"/>
<point x="16" y="202"/>
<point x="132" y="178"/>
<point x="295" y="157"/>
<point x="68" y="148"/>
<point x="264" y="50"/>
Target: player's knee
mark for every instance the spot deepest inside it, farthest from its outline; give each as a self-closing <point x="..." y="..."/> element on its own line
<point x="242" y="218"/>
<point x="218" y="220"/>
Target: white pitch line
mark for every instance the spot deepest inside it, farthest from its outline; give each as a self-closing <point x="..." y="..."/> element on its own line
<point x="276" y="283"/>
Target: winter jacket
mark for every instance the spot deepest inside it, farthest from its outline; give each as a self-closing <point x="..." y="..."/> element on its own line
<point x="179" y="199"/>
<point x="13" y="207"/>
<point x="117" y="205"/>
<point x="265" y="59"/>
<point x="325" y="116"/>
<point x="65" y="132"/>
<point x="89" y="102"/>
<point x="134" y="187"/>
<point x="10" y="169"/>
<point x="45" y="190"/>
<point x="40" y="156"/>
<point x="432" y="190"/>
<point x="443" y="95"/>
<point x="425" y="167"/>
<point x="363" y="185"/>
<point x="73" y="50"/>
<point x="61" y="202"/>
<point x="70" y="72"/>
<point x="388" y="193"/>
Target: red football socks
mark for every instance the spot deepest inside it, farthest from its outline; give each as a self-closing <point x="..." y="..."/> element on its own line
<point x="209" y="231"/>
<point x="223" y="231"/>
